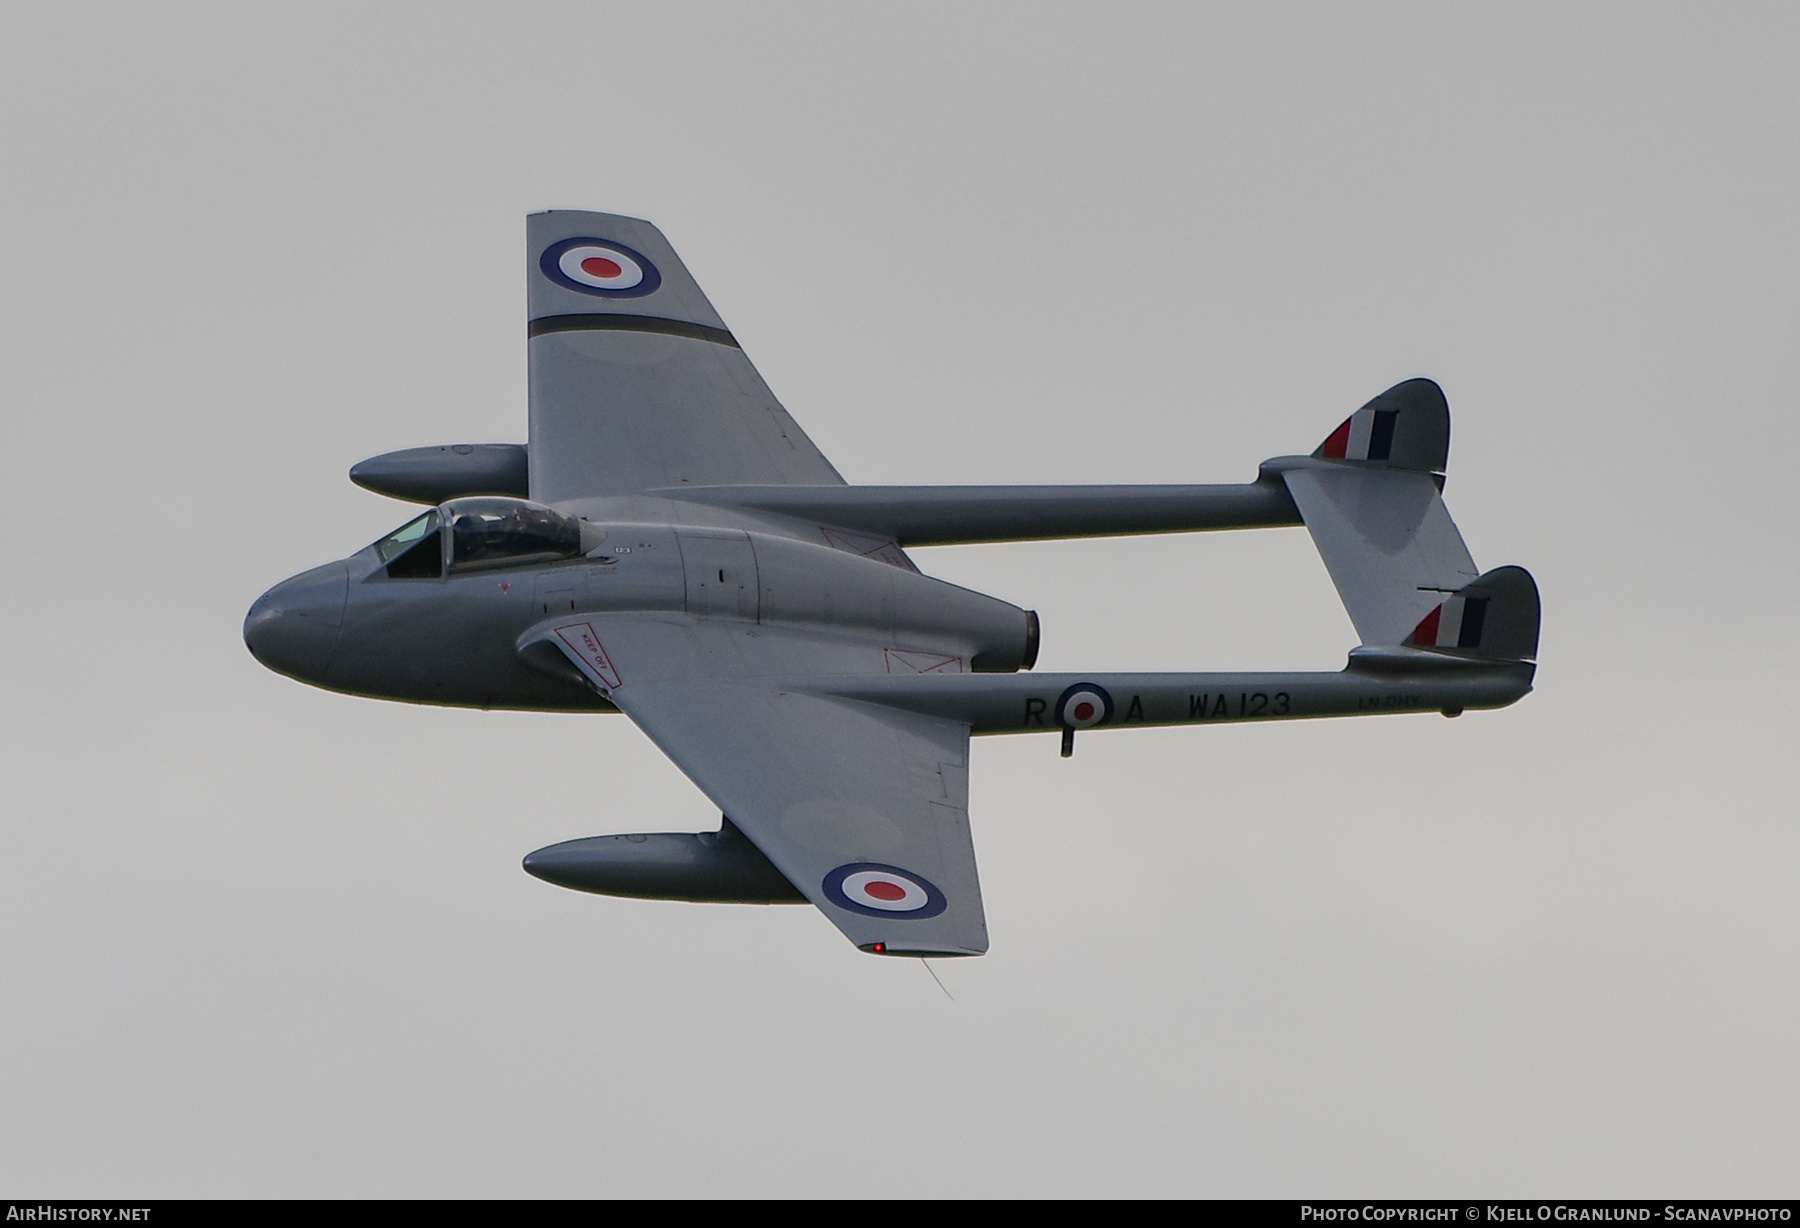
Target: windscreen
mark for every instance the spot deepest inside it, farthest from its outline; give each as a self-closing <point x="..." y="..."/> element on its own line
<point x="397" y="542"/>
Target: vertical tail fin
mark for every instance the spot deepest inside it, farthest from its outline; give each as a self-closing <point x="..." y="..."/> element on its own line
<point x="1406" y="427"/>
<point x="1496" y="617"/>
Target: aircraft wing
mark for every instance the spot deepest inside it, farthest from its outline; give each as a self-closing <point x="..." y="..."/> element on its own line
<point x="635" y="380"/>
<point x="863" y="807"/>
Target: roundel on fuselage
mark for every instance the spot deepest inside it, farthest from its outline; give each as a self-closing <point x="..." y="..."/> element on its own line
<point x="1083" y="706"/>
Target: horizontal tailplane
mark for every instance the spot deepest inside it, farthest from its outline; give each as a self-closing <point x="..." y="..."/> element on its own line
<point x="1371" y="496"/>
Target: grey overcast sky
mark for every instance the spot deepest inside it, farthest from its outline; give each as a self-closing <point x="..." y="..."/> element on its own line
<point x="260" y="939"/>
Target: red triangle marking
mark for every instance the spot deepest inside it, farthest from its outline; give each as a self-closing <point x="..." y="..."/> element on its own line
<point x="1426" y="632"/>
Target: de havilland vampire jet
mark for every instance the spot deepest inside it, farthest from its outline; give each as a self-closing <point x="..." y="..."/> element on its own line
<point x="672" y="546"/>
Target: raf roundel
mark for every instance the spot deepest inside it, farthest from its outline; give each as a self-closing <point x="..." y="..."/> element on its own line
<point x="600" y="267"/>
<point x="883" y="891"/>
<point x="1083" y="706"/>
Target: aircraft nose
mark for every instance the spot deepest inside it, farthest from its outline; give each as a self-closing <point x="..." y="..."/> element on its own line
<point x="293" y="628"/>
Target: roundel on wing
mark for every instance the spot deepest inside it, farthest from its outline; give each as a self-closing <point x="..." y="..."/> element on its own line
<point x="883" y="891"/>
<point x="599" y="266"/>
<point x="1083" y="706"/>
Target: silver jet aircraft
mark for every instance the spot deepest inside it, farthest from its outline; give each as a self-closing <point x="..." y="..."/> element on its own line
<point x="672" y="546"/>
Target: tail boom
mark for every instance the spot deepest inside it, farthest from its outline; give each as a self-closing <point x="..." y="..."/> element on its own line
<point x="1391" y="680"/>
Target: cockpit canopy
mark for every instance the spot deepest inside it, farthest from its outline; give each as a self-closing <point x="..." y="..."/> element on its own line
<point x="490" y="531"/>
<point x="478" y="532"/>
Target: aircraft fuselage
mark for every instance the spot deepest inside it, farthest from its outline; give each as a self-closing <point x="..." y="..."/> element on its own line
<point x="472" y="634"/>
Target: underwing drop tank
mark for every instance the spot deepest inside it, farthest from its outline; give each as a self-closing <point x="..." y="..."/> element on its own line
<point x="720" y="867"/>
